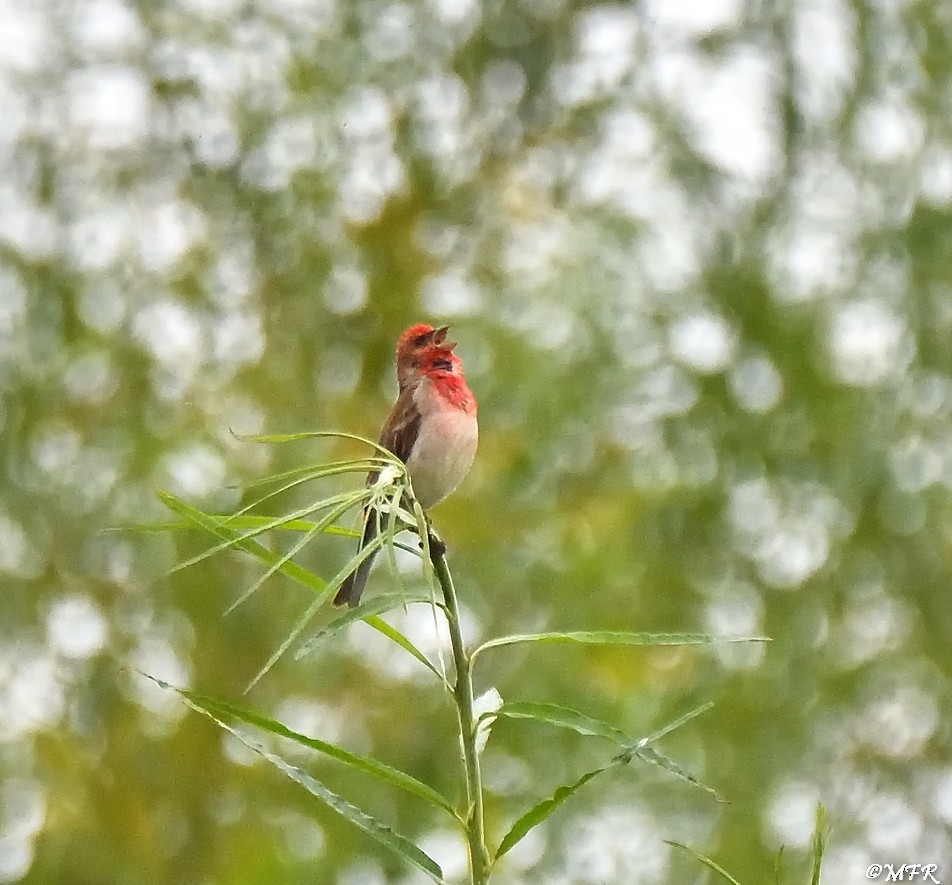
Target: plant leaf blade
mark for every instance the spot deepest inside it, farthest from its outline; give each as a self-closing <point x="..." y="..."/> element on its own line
<point x="375" y="605"/>
<point x="710" y="864"/>
<point x="366" y="764"/>
<point x="562" y="717"/>
<point x="613" y="637"/>
<point x="539" y="812"/>
<point x="363" y="821"/>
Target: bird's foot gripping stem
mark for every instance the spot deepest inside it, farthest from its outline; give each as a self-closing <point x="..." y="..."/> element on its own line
<point x="436" y="544"/>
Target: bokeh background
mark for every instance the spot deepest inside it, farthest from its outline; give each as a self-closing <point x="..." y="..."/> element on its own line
<point x="699" y="261"/>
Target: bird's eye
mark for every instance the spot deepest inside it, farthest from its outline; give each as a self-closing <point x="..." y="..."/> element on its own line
<point x="442" y="364"/>
<point x="420" y="340"/>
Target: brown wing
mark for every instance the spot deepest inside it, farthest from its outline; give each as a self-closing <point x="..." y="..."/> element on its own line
<point x="399" y="434"/>
<point x="402" y="427"/>
<point x="399" y="430"/>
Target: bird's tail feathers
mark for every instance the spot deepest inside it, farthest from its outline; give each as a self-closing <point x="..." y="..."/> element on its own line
<point x="353" y="587"/>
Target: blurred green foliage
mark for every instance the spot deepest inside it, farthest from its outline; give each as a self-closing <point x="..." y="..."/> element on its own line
<point x="697" y="260"/>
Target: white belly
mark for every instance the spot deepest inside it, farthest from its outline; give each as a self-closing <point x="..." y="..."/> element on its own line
<point x="442" y="455"/>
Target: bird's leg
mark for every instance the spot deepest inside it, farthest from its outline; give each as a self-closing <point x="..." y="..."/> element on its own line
<point x="437" y="546"/>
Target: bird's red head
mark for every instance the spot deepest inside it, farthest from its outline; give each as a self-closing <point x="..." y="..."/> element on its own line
<point x="419" y="336"/>
<point x="415" y="346"/>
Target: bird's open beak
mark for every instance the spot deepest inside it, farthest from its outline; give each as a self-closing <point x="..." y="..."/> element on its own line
<point x="439" y="339"/>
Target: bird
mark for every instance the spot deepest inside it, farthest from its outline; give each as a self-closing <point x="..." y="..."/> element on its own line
<point x="431" y="428"/>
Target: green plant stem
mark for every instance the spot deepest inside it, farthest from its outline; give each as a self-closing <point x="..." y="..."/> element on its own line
<point x="463" y="693"/>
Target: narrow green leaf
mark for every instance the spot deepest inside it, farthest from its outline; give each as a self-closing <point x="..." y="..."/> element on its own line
<point x="710" y="864"/>
<point x="538" y="813"/>
<point x="392" y="633"/>
<point x="366" y="764"/>
<point x="322" y="434"/>
<point x="280" y="438"/>
<point x="147" y="527"/>
<point x="312" y="471"/>
<point x="288" y="525"/>
<point x="365" y="552"/>
<point x="677" y="723"/>
<point x="777" y="865"/>
<point x="301" y="624"/>
<point x="223" y="528"/>
<point x="392" y="531"/>
<point x="311" y="475"/>
<point x="201" y="520"/>
<point x="562" y="717"/>
<point x="424" y="532"/>
<point x="819" y="840"/>
<point x="295" y="548"/>
<point x="611" y="637"/>
<point x="363" y="821"/>
<point x="245" y="521"/>
<point x="653" y="757"/>
<point x="292" y="474"/>
<point x="572" y="719"/>
<point x="376" y="605"/>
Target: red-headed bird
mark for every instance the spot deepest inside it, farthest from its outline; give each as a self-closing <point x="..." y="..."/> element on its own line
<point x="431" y="428"/>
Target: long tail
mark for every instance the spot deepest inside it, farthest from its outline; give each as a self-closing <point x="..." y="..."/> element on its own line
<point x="353" y="586"/>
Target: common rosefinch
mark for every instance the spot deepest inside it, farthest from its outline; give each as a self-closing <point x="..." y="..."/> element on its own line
<point x="431" y="428"/>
